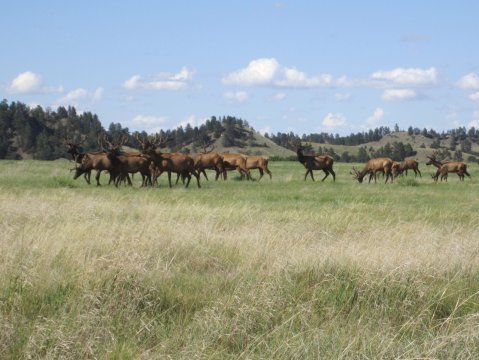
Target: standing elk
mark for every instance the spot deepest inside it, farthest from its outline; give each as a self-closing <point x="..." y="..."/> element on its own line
<point x="167" y="162"/>
<point x="209" y="160"/>
<point x="444" y="168"/>
<point x="75" y="150"/>
<point x="373" y="166"/>
<point x="315" y="162"/>
<point x="260" y="163"/>
<point x="235" y="162"/>
<point x="405" y="165"/>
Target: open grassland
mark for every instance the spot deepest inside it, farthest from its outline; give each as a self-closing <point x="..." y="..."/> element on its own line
<point x="277" y="269"/>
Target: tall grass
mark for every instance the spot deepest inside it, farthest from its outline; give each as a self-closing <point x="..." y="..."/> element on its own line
<point x="275" y="269"/>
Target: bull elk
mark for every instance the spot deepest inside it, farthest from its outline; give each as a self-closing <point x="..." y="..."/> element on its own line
<point x="166" y="162"/>
<point x="260" y="163"/>
<point x="207" y="159"/>
<point x="75" y="150"/>
<point x="405" y="165"/>
<point x="315" y="162"/>
<point x="374" y="166"/>
<point x="444" y="168"/>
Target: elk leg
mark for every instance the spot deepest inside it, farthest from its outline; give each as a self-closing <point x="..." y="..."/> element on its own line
<point x="197" y="175"/>
<point x="311" y="173"/>
<point x="187" y="174"/>
<point x="169" y="178"/>
<point x="204" y="173"/>
<point x="325" y="176"/>
<point x="419" y="172"/>
<point x="269" y="173"/>
<point x="97" y="178"/>
<point x="260" y="173"/>
<point x="333" y="173"/>
<point x="306" y="175"/>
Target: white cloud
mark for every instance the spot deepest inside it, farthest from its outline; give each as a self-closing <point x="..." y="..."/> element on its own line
<point x="237" y="97"/>
<point x="474" y="96"/>
<point x="399" y="95"/>
<point x="25" y="82"/>
<point x="375" y="117"/>
<point x="406" y="77"/>
<point x="342" y="97"/>
<point x="268" y="72"/>
<point x="469" y="81"/>
<point x="334" y="120"/>
<point x="266" y="129"/>
<point x="72" y="97"/>
<point x="162" y="81"/>
<point x="148" y="120"/>
<point x="192" y="120"/>
<point x="475" y="120"/>
<point x="279" y="96"/>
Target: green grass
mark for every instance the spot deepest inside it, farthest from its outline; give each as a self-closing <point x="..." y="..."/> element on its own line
<point x="272" y="269"/>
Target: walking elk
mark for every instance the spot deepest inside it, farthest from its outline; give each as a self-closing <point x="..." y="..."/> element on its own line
<point x="443" y="168"/>
<point x="315" y="162"/>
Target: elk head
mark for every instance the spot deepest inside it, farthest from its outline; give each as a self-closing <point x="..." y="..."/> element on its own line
<point x="74" y="148"/>
<point x="356" y="175"/>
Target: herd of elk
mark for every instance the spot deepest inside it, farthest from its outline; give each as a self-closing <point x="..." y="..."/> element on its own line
<point x="151" y="162"/>
<point x="315" y="162"/>
<point x="443" y="168"/>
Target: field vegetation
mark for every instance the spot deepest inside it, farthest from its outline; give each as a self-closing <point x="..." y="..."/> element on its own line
<point x="282" y="269"/>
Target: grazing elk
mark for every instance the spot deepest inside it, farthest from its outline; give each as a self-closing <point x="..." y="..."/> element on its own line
<point x="75" y="150"/>
<point x="405" y="165"/>
<point x="167" y="162"/>
<point x="373" y="166"/>
<point x="315" y="162"/>
<point x="235" y="162"/>
<point x="260" y="163"/>
<point x="444" y="168"/>
<point x="209" y="160"/>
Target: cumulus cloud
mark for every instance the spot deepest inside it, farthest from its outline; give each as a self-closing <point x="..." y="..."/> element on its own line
<point x="269" y="72"/>
<point x="279" y="96"/>
<point x="334" y="120"/>
<point x="162" y="81"/>
<point x="469" y="81"/>
<point x="399" y="94"/>
<point x="236" y="97"/>
<point x="148" y="120"/>
<point x="192" y="120"/>
<point x="475" y="120"/>
<point x="406" y="77"/>
<point x="375" y="117"/>
<point x="72" y="97"/>
<point x="29" y="82"/>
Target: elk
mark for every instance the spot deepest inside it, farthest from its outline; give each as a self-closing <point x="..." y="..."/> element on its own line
<point x="374" y="166"/>
<point x="235" y="162"/>
<point x="315" y="162"/>
<point x="128" y="163"/>
<point x="405" y="165"/>
<point x="260" y="163"/>
<point x="209" y="160"/>
<point x="75" y="150"/>
<point x="161" y="162"/>
<point x="443" y="168"/>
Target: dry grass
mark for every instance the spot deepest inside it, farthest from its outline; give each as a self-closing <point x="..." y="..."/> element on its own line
<point x="281" y="269"/>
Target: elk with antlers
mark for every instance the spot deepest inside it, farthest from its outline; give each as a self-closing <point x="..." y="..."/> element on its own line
<point x="209" y="160"/>
<point x="167" y="162"/>
<point x="374" y="166"/>
<point x="75" y="150"/>
<point x="315" y="162"/>
<point x="443" y="168"/>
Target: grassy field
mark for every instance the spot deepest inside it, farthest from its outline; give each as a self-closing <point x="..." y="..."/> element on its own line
<point x="282" y="269"/>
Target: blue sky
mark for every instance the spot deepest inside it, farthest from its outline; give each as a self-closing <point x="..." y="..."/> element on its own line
<point x="302" y="66"/>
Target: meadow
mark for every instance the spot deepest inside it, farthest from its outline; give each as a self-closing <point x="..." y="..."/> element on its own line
<point x="280" y="268"/>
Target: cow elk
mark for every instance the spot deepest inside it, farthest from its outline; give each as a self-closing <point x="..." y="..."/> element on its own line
<point x="404" y="166"/>
<point x="235" y="162"/>
<point x="444" y="168"/>
<point x="372" y="167"/>
<point x="260" y="163"/>
<point x="315" y="162"/>
<point x="207" y="159"/>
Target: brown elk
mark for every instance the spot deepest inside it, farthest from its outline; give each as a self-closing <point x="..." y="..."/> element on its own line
<point x="405" y="165"/>
<point x="209" y="160"/>
<point x="235" y="162"/>
<point x="167" y="162"/>
<point x="75" y="150"/>
<point x="315" y="162"/>
<point x="443" y="168"/>
<point x="260" y="163"/>
<point x="373" y="166"/>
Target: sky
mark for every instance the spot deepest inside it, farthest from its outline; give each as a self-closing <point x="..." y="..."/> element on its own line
<point x="301" y="66"/>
